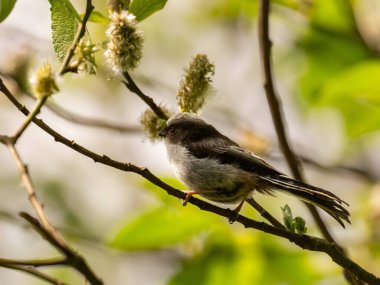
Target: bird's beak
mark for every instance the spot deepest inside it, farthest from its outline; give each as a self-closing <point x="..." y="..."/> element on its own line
<point x="163" y="133"/>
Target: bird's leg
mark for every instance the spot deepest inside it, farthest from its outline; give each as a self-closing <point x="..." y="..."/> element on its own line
<point x="236" y="211"/>
<point x="189" y="194"/>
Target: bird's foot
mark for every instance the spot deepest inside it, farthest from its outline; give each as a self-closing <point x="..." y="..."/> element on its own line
<point x="235" y="212"/>
<point x="189" y="194"/>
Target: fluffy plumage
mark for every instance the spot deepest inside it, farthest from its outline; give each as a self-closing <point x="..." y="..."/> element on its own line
<point x="215" y="167"/>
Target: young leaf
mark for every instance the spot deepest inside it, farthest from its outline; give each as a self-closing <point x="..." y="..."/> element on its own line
<point x="300" y="225"/>
<point x="6" y="7"/>
<point x="288" y="217"/>
<point x="144" y="8"/>
<point x="64" y="26"/>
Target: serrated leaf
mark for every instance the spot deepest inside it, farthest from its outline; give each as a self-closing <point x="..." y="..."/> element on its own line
<point x="161" y="228"/>
<point x="64" y="26"/>
<point x="144" y="8"/>
<point x="97" y="17"/>
<point x="6" y="7"/>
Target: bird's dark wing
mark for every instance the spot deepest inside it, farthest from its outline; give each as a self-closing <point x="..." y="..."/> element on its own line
<point x="229" y="152"/>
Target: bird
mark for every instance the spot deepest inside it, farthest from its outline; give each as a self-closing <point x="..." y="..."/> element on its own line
<point x="215" y="167"/>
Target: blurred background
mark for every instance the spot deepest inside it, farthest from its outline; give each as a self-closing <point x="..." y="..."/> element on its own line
<point x="327" y="72"/>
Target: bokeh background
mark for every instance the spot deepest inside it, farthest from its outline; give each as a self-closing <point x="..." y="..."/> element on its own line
<point x="327" y="72"/>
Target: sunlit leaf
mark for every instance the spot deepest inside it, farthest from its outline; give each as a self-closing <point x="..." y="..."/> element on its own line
<point x="355" y="92"/>
<point x="64" y="26"/>
<point x="6" y="7"/>
<point x="221" y="263"/>
<point x="162" y="227"/>
<point x="98" y="18"/>
<point x="144" y="8"/>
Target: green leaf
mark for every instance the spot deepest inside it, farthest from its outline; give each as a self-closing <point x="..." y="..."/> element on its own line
<point x="144" y="8"/>
<point x="161" y="228"/>
<point x="222" y="262"/>
<point x="300" y="225"/>
<point x="287" y="217"/>
<point x="97" y="17"/>
<point x="6" y="7"/>
<point x="355" y="93"/>
<point x="64" y="26"/>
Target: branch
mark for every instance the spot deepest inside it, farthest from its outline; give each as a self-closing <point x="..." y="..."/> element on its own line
<point x="264" y="213"/>
<point x="33" y="272"/>
<point x="36" y="262"/>
<point x="303" y="241"/>
<point x="80" y="33"/>
<point x="275" y="108"/>
<point x="131" y="85"/>
<point x="73" y="259"/>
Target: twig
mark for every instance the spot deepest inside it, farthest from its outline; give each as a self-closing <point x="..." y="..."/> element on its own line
<point x="80" y="33"/>
<point x="131" y="85"/>
<point x="74" y="259"/>
<point x="33" y="272"/>
<point x="303" y="241"/>
<point x="264" y="213"/>
<point x="275" y="108"/>
<point x="58" y="261"/>
<point x="36" y="110"/>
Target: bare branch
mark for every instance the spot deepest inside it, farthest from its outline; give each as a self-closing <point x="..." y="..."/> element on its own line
<point x="275" y="108"/>
<point x="303" y="241"/>
<point x="58" y="261"/>
<point x="34" y="272"/>
<point x="264" y="213"/>
<point x="131" y="85"/>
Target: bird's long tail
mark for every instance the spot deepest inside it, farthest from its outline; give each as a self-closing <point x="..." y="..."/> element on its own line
<point x="319" y="197"/>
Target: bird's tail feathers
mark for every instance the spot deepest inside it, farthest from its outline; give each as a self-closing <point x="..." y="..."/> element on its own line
<point x="319" y="197"/>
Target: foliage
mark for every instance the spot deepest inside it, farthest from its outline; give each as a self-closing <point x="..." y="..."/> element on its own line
<point x="6" y="7"/>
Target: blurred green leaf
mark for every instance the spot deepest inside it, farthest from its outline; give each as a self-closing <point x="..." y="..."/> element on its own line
<point x="6" y="7"/>
<point x="97" y="17"/>
<point x="144" y="8"/>
<point x="334" y="15"/>
<point x="161" y="194"/>
<point x="223" y="261"/>
<point x="163" y="227"/>
<point x="300" y="225"/>
<point x="355" y="92"/>
<point x="287" y="217"/>
<point x="64" y="26"/>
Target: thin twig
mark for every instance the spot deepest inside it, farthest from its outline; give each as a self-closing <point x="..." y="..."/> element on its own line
<point x="34" y="272"/>
<point x="36" y="110"/>
<point x="275" y="108"/>
<point x="303" y="241"/>
<point x="264" y="213"/>
<point x="131" y="85"/>
<point x="80" y="33"/>
<point x="58" y="261"/>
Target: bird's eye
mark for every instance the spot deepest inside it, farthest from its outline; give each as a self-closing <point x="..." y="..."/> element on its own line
<point x="172" y="130"/>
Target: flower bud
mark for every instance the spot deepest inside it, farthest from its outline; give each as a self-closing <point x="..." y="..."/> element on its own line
<point x="125" y="42"/>
<point x="44" y="83"/>
<point x="152" y="124"/>
<point x="118" y="5"/>
<point x="195" y="84"/>
<point x="84" y="59"/>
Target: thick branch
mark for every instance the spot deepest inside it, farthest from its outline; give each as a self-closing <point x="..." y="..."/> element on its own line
<point x="303" y="241"/>
<point x="80" y="33"/>
<point x="131" y="85"/>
